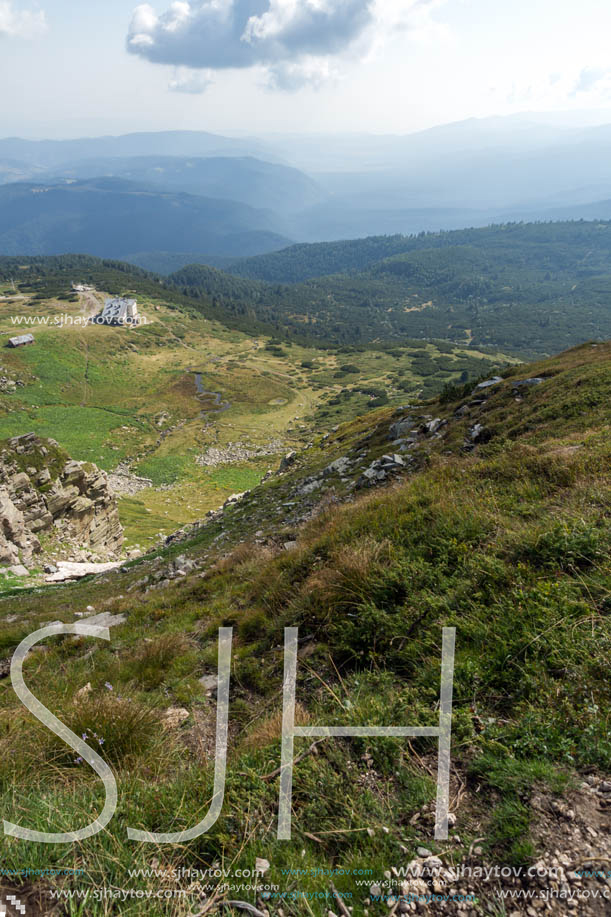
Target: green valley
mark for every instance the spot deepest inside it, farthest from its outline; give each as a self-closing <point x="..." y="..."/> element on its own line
<point x="128" y="397"/>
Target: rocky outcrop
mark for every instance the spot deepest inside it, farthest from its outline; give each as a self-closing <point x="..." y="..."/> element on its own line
<point x="16" y="542"/>
<point x="46" y="496"/>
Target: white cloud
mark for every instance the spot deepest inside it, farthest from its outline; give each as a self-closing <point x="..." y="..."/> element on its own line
<point x="593" y="80"/>
<point x="589" y="85"/>
<point x="19" y="23"/>
<point x="296" y="41"/>
<point x="313" y="72"/>
<point x="191" y="82"/>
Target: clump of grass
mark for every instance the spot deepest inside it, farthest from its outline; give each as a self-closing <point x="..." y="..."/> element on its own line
<point x="158" y="659"/>
<point x="120" y="729"/>
<point x="269" y="729"/>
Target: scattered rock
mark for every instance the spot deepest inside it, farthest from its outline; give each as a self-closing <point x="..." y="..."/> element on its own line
<point x="235" y="498"/>
<point x="236" y="452"/>
<point x="209" y="683"/>
<point x="400" y="428"/>
<point x="174" y="717"/>
<point x="433" y="425"/>
<point x="380" y="469"/>
<point x="83" y="693"/>
<point x="534" y="380"/>
<point x="19" y="570"/>
<point x="478" y="433"/>
<point x="122" y="481"/>
<point x="488" y="383"/>
<point x="339" y="466"/>
<point x="66" y="570"/>
<point x="288" y="460"/>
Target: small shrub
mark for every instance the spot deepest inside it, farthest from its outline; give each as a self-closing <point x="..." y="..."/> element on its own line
<point x="565" y="546"/>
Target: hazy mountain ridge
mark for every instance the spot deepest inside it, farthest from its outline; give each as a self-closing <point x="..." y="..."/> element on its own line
<point x="110" y="217"/>
<point x="334" y="187"/>
<point x="251" y="181"/>
<point x="49" y="153"/>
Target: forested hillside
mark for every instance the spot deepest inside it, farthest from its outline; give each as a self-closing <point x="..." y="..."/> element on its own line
<point x="565" y="246"/>
<point x="521" y="289"/>
<point x="524" y="288"/>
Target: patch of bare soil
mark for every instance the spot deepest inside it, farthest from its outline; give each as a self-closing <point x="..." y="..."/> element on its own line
<point x="572" y="873"/>
<point x="28" y="901"/>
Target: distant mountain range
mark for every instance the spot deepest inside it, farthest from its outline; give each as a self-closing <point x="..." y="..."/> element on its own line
<point x="112" y="218"/>
<point x="251" y="181"/>
<point x="47" y="154"/>
<point x="305" y="188"/>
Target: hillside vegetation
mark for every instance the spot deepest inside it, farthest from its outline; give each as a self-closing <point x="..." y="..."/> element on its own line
<point x="527" y="289"/>
<point x="563" y="247"/>
<point x="497" y="524"/>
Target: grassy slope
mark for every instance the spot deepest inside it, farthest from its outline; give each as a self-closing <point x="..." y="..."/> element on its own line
<point x="510" y="544"/>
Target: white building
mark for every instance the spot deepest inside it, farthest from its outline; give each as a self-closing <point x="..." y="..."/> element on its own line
<point x="119" y="311"/>
<point x="22" y="341"/>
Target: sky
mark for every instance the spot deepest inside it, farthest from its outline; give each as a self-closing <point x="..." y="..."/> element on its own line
<point x="287" y="66"/>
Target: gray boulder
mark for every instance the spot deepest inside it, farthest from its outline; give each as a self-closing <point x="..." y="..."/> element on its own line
<point x="339" y="466"/>
<point x="488" y="383"/>
<point x="479" y="433"/>
<point x="400" y="428"/>
<point x="288" y="460"/>
<point x="534" y="380"/>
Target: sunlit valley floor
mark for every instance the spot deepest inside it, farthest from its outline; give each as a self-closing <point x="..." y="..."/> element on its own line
<point x="128" y="398"/>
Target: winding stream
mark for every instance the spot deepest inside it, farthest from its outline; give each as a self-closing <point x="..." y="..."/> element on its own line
<point x="219" y="404"/>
